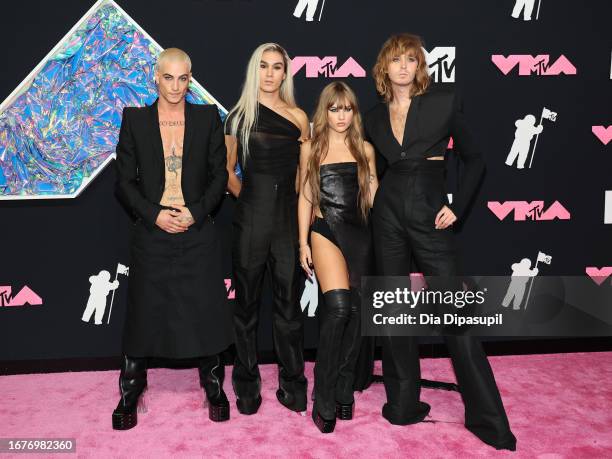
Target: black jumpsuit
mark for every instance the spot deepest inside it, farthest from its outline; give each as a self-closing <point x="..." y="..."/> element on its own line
<point x="265" y="236"/>
<point x="340" y="331"/>
<point x="410" y="195"/>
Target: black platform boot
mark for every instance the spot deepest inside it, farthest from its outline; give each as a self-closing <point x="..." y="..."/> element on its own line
<point x="132" y="385"/>
<point x="212" y="374"/>
<point x="333" y="317"/>
<point x="324" y="425"/>
<point x="345" y="411"/>
<point x="350" y="350"/>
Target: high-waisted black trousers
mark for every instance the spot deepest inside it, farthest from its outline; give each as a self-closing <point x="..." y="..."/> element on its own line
<point x="265" y="236"/>
<point x="408" y="199"/>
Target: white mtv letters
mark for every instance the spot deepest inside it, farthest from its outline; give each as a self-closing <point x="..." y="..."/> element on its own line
<point x="310" y="295"/>
<point x="441" y="63"/>
<point x="526" y="129"/>
<point x="310" y="6"/>
<point x="99" y="290"/>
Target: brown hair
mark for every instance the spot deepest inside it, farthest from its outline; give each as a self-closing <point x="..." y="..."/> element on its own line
<point x="395" y="46"/>
<point x="338" y="93"/>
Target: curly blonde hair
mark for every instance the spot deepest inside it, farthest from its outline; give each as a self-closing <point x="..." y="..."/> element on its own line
<point x="395" y="46"/>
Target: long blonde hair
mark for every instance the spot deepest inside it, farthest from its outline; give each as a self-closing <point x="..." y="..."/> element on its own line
<point x="245" y="113"/>
<point x="339" y="93"/>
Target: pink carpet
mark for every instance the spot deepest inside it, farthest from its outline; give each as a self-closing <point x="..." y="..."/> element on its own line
<point x="559" y="406"/>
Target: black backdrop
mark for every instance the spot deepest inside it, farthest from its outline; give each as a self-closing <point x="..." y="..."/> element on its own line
<point x="54" y="246"/>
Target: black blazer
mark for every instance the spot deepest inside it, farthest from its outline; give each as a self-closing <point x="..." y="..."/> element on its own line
<point x="140" y="162"/>
<point x="433" y="117"/>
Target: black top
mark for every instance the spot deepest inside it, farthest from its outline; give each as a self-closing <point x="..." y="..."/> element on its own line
<point x="433" y="117"/>
<point x="339" y="192"/>
<point x="140" y="162"/>
<point x="339" y="204"/>
<point x="274" y="147"/>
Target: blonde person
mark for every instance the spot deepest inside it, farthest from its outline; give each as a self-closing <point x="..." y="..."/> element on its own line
<point x="263" y="134"/>
<point x="171" y="165"/>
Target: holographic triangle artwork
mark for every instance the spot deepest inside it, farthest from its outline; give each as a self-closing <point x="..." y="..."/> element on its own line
<point x="59" y="127"/>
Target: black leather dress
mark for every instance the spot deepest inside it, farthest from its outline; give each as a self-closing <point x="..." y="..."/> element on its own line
<point x="339" y="367"/>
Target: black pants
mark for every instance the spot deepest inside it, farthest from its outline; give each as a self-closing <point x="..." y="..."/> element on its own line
<point x="266" y="238"/>
<point x="405" y="207"/>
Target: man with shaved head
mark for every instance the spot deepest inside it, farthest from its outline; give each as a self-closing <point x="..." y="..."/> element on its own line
<point x="171" y="165"/>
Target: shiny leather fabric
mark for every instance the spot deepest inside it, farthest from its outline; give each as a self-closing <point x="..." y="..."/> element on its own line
<point x="212" y="374"/>
<point x="132" y="380"/>
<point x="407" y="201"/>
<point x="339" y="207"/>
<point x="340" y="339"/>
<point x="334" y="316"/>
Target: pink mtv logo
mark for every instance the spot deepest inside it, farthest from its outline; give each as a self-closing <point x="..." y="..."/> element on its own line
<point x="524" y="210"/>
<point x="529" y="65"/>
<point x="598" y="275"/>
<point x="327" y="66"/>
<point x="26" y="296"/>
<point x="603" y="133"/>
<point x="231" y="293"/>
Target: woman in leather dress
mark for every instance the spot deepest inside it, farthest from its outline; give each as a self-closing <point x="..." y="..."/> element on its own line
<point x="338" y="181"/>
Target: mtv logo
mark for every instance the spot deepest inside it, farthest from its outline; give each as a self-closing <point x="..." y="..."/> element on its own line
<point x="441" y="63"/>
<point x="530" y="65"/>
<point x="26" y="296"/>
<point x="524" y="210"/>
<point x="327" y="67"/>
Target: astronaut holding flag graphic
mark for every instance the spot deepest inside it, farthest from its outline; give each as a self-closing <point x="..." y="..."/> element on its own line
<point x="522" y="273"/>
<point x="121" y="269"/>
<point x="526" y="129"/>
<point x="542" y="258"/>
<point x="98" y="292"/>
<point x="546" y="115"/>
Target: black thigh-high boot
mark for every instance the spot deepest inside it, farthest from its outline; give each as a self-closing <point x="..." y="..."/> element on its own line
<point x="132" y="384"/>
<point x="212" y="374"/>
<point x="333" y="317"/>
<point x="349" y="354"/>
